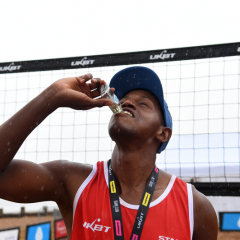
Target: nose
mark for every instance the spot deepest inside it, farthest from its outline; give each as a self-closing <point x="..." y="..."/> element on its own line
<point x="129" y="103"/>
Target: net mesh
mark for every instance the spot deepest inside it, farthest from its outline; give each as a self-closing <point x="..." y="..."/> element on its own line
<point x="203" y="97"/>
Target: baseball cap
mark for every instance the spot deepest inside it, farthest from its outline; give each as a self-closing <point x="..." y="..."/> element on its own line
<point x="133" y="78"/>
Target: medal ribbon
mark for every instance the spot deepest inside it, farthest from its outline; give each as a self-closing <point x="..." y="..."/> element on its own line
<point x="143" y="207"/>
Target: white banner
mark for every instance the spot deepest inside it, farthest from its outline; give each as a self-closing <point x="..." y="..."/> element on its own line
<point x="9" y="234"/>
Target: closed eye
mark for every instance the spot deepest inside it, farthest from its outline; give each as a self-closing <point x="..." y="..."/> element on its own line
<point x="143" y="103"/>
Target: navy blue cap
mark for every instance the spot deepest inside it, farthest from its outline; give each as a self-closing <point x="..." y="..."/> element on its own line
<point x="134" y="78"/>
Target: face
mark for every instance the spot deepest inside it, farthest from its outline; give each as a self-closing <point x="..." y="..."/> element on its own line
<point x="141" y="118"/>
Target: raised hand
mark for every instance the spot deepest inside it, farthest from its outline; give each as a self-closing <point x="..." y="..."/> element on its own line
<point x="75" y="92"/>
<point x="79" y="92"/>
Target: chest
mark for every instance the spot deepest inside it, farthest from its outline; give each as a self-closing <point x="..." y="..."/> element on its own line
<point x="167" y="219"/>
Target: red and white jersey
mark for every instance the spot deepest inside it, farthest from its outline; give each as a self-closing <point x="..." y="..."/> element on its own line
<point x="170" y="216"/>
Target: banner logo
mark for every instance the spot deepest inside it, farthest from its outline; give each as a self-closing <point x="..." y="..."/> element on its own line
<point x="39" y="234"/>
<point x="113" y="188"/>
<point x="11" y="67"/>
<point x="163" y="55"/>
<point x="146" y="199"/>
<point x="83" y="62"/>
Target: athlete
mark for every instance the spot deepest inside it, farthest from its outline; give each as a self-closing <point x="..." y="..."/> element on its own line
<point x="126" y="197"/>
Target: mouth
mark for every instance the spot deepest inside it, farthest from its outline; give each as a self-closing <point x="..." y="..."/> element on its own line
<point x="128" y="112"/>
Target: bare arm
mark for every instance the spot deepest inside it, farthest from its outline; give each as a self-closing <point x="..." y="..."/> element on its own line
<point x="205" y="219"/>
<point x="24" y="181"/>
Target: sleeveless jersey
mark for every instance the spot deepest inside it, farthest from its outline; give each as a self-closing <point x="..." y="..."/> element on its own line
<point x="170" y="216"/>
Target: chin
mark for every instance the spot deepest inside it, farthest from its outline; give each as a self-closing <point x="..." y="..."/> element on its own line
<point x="118" y="130"/>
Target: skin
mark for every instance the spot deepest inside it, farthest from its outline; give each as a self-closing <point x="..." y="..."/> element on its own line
<point x="132" y="160"/>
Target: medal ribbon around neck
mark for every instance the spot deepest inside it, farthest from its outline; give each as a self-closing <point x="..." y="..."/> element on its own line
<point x="142" y="210"/>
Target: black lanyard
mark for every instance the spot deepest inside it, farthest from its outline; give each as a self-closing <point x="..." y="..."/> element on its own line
<point x="143" y="208"/>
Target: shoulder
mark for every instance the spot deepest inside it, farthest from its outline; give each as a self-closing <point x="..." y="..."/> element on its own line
<point x="205" y="219"/>
<point x="64" y="168"/>
<point x="69" y="174"/>
<point x="67" y="170"/>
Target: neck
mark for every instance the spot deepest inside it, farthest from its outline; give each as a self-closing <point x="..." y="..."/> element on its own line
<point x="132" y="170"/>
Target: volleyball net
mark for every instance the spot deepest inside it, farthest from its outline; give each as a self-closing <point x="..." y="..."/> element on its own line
<point x="201" y="87"/>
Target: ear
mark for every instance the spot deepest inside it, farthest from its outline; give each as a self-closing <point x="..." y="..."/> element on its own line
<point x="163" y="134"/>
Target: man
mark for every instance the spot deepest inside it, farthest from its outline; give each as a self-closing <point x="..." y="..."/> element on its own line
<point x="90" y="211"/>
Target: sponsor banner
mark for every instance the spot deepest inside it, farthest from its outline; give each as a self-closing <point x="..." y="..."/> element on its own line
<point x="162" y="55"/>
<point x="229" y="221"/>
<point x="60" y="229"/>
<point x="218" y="188"/>
<point x="9" y="234"/>
<point x="41" y="231"/>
